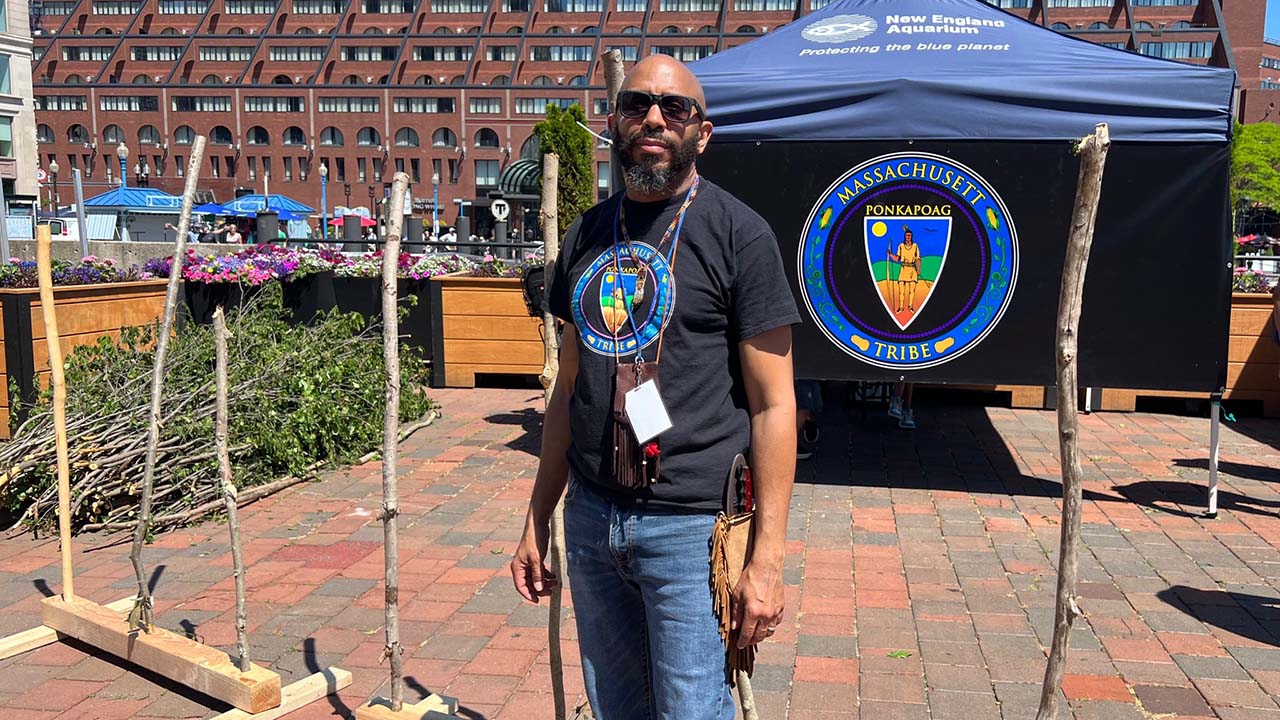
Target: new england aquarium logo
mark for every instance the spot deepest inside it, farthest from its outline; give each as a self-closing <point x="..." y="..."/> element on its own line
<point x="874" y="250"/>
<point x="621" y="308"/>
<point x="839" y="29"/>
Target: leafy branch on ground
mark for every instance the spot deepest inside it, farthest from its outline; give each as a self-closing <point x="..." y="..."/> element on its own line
<point x="303" y="395"/>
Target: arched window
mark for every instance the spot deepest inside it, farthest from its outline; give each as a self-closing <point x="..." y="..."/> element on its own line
<point x="148" y="135"/>
<point x="578" y="80"/>
<point x="282" y="80"/>
<point x="169" y="31"/>
<point x="442" y="31"/>
<point x="368" y="137"/>
<point x="304" y="31"/>
<point x="104" y="31"/>
<point x="406" y="137"/>
<point x="1142" y="25"/>
<point x="500" y="80"/>
<point x="746" y="29"/>
<point x="44" y="133"/>
<point x="373" y="31"/>
<point x="1059" y="26"/>
<point x="458" y="80"/>
<point x="515" y="31"/>
<point x="424" y="80"/>
<point x="542" y="80"/>
<point x="294" y="136"/>
<point x="631" y="30"/>
<point x="258" y="135"/>
<point x="73" y="79"/>
<point x="707" y="29"/>
<point x="671" y="30"/>
<point x="211" y="80"/>
<point x="473" y="30"/>
<point x="1099" y="26"/>
<point x="143" y="80"/>
<point x="331" y="136"/>
<point x="220" y="135"/>
<point x="384" y="79"/>
<point x="112" y="134"/>
<point x="531" y="149"/>
<point x="352" y="80"/>
<point x="1180" y="25"/>
<point x="486" y="138"/>
<point x="77" y="134"/>
<point x="235" y="31"/>
<point x="555" y="30"/>
<point x="590" y="30"/>
<point x="184" y="135"/>
<point x="444" y="137"/>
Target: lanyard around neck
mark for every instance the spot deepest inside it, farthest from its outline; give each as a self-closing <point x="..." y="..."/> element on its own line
<point x="642" y="269"/>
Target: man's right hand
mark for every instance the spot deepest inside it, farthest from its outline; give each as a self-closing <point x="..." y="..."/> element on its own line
<point x="533" y="579"/>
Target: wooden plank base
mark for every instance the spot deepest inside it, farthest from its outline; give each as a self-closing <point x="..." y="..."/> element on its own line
<point x="434" y="706"/>
<point x="178" y="658"/>
<point x="37" y="637"/>
<point x="297" y="695"/>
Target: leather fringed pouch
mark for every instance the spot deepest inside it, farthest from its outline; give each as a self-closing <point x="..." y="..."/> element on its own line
<point x="731" y="544"/>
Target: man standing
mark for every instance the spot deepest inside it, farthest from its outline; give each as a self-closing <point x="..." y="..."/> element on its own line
<point x="677" y="280"/>
<point x="908" y="258"/>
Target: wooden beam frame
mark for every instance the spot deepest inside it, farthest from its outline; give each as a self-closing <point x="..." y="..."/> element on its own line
<point x="297" y="695"/>
<point x="433" y="706"/>
<point x="38" y="637"/>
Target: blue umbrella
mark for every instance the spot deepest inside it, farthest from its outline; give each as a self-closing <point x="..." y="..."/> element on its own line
<point x="211" y="209"/>
<point x="288" y="216"/>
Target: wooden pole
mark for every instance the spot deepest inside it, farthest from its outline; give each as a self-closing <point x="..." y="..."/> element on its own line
<point x="391" y="433"/>
<point x="550" y="218"/>
<point x="44" y="268"/>
<point x="228" y="485"/>
<point x="140" y="616"/>
<point x="1093" y="159"/>
<point x="613" y="76"/>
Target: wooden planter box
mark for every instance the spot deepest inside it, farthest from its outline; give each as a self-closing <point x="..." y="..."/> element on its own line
<point x="482" y="326"/>
<point x="1253" y="360"/>
<point x="85" y="313"/>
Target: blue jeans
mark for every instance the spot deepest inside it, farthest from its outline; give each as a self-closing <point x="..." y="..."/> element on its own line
<point x="651" y="647"/>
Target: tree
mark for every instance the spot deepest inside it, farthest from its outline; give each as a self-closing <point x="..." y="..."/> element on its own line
<point x="561" y="134"/>
<point x="1255" y="169"/>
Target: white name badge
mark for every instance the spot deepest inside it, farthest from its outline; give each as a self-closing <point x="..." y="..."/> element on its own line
<point x="646" y="413"/>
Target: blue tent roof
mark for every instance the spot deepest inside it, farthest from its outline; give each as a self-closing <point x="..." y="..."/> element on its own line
<point x="255" y="203"/>
<point x="948" y="70"/>
<point x="137" y="199"/>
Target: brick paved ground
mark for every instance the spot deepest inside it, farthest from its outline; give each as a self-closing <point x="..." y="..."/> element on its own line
<point x="919" y="577"/>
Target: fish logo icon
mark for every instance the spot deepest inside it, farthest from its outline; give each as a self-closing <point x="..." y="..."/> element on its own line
<point x="839" y="29"/>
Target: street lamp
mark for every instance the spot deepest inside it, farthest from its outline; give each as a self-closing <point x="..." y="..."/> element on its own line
<point x="122" y="152"/>
<point x="346" y="188"/>
<point x="373" y="208"/>
<point x="435" y="206"/>
<point x="324" y="202"/>
<point x="53" y="174"/>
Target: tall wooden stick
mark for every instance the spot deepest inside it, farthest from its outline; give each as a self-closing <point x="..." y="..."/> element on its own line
<point x="44" y="269"/>
<point x="613" y="76"/>
<point x="550" y="218"/>
<point x="140" y="616"/>
<point x="391" y="432"/>
<point x="228" y="485"/>
<point x="1093" y="159"/>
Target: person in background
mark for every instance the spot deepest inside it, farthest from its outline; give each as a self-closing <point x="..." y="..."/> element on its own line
<point x="808" y="407"/>
<point x="193" y="232"/>
<point x="233" y="234"/>
<point x="900" y="406"/>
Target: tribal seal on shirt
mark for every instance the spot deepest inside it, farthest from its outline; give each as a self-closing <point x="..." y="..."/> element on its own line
<point x="628" y="301"/>
<point x="874" y="251"/>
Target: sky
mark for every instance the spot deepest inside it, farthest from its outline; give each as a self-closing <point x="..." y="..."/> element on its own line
<point x="1273" y="18"/>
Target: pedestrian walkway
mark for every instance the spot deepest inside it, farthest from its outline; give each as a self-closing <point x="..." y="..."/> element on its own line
<point x="920" y="577"/>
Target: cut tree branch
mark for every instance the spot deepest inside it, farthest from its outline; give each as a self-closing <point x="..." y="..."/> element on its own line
<point x="228" y="484"/>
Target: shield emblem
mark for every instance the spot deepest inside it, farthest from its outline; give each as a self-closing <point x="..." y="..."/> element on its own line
<point x="905" y="256"/>
<point x="617" y="292"/>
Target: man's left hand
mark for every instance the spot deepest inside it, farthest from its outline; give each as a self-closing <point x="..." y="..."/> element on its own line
<point x="757" y="602"/>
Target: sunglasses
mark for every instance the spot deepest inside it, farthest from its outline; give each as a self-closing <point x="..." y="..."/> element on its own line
<point x="675" y="108"/>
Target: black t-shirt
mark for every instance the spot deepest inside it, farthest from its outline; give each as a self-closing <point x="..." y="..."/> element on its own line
<point x="727" y="285"/>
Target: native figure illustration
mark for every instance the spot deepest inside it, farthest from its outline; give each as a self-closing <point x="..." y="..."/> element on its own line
<point x="914" y="252"/>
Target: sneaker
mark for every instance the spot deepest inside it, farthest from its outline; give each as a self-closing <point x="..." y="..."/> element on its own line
<point x="908" y="421"/>
<point x="810" y="432"/>
<point x="895" y="408"/>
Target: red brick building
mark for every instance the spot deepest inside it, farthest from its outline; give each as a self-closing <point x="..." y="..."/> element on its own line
<point x="450" y="88"/>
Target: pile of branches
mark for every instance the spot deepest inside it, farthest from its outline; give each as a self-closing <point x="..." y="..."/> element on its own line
<point x="301" y="397"/>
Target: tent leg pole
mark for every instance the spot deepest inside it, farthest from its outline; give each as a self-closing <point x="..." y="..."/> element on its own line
<point x="1215" y="436"/>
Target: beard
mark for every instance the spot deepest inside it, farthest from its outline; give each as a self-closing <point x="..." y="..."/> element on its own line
<point x="647" y="175"/>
